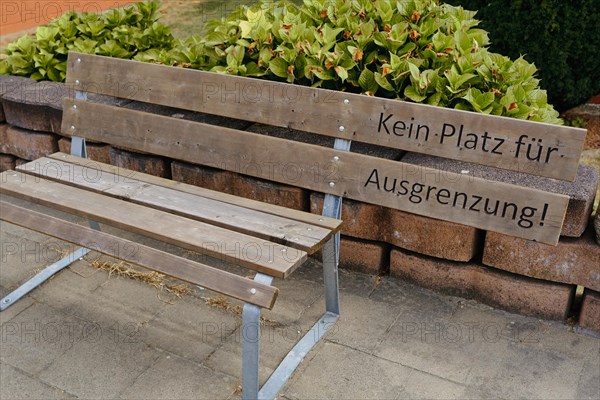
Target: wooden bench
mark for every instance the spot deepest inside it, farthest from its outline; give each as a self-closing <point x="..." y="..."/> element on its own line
<point x="271" y="240"/>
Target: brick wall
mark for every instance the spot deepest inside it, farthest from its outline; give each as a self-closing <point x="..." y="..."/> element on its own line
<point x="509" y="273"/>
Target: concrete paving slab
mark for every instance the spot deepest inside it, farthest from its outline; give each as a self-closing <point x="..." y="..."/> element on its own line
<point x="16" y="385"/>
<point x="16" y="308"/>
<point x="421" y="385"/>
<point x="36" y="337"/>
<point x="339" y="372"/>
<point x="176" y="378"/>
<point x="100" y="366"/>
<point x="188" y="329"/>
<point x="394" y="341"/>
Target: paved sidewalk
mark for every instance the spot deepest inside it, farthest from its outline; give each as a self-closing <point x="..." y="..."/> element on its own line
<point x="86" y="335"/>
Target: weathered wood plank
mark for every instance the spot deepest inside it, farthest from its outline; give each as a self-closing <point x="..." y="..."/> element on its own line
<point x="178" y="267"/>
<point x="332" y="224"/>
<point x="254" y="253"/>
<point x="322" y="169"/>
<point x="273" y="228"/>
<point x="535" y="148"/>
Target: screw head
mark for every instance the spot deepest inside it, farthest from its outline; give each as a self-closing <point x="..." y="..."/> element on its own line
<point x="252" y="291"/>
<point x="6" y="301"/>
<point x="77" y="82"/>
<point x="78" y="60"/>
<point x="341" y="129"/>
<point x="331" y="184"/>
<point x="74" y="106"/>
<point x="72" y="127"/>
<point x="346" y="101"/>
<point x="336" y="158"/>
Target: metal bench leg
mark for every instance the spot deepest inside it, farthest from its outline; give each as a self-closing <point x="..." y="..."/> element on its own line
<point x="251" y="345"/>
<point x="41" y="277"/>
<point x="332" y="208"/>
<point x="78" y="148"/>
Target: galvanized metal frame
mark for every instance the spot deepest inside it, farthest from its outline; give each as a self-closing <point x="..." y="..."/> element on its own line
<point x="78" y="148"/>
<point x="332" y="207"/>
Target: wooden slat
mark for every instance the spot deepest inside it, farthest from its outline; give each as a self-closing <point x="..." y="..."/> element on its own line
<point x="277" y="229"/>
<point x="466" y="136"/>
<point x="332" y="224"/>
<point x="260" y="255"/>
<point x="316" y="168"/>
<point x="148" y="257"/>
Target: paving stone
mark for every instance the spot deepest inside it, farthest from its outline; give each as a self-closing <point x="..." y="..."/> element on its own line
<point x="175" y="378"/>
<point x="363" y="324"/>
<point x="22" y="257"/>
<point x="581" y="192"/>
<point x="17" y="385"/>
<point x="189" y="328"/>
<point x="16" y="308"/>
<point x="511" y="369"/>
<point x="95" y="151"/>
<point x="574" y="260"/>
<point x="588" y="387"/>
<point x="37" y="337"/>
<point x="7" y="162"/>
<point x="589" y="317"/>
<point x="342" y="373"/>
<point x="500" y="289"/>
<point x="421" y="385"/>
<point x="363" y="256"/>
<point x="147" y="164"/>
<point x="241" y="185"/>
<point x="100" y="357"/>
<point x="412" y="232"/>
<point x="27" y="144"/>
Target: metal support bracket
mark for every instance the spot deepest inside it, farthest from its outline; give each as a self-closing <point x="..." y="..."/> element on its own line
<point x="78" y="148"/>
<point x="41" y="277"/>
<point x="251" y="315"/>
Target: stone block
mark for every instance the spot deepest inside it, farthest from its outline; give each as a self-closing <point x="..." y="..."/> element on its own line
<point x="35" y="105"/>
<point x="140" y="162"/>
<point x="574" y="260"/>
<point x="597" y="226"/>
<point x="241" y="185"/>
<point x="499" y="289"/>
<point x="7" y="162"/>
<point x="363" y="256"/>
<point x="412" y="232"/>
<point x="589" y="317"/>
<point x="325" y="141"/>
<point x="189" y="115"/>
<point x="27" y="144"/>
<point x="581" y="192"/>
<point x="96" y="151"/>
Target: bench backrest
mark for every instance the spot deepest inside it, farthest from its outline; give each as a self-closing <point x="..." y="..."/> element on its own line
<point x="463" y="198"/>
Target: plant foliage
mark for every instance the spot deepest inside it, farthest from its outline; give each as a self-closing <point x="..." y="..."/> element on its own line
<point x="124" y="32"/>
<point x="414" y="50"/>
<point x="561" y="37"/>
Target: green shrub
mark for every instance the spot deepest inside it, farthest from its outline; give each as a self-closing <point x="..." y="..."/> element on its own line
<point x="123" y="33"/>
<point x="414" y="50"/>
<point x="561" y="37"/>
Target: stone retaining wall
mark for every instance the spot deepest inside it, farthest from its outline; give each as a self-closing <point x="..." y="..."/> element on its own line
<point x="509" y="273"/>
